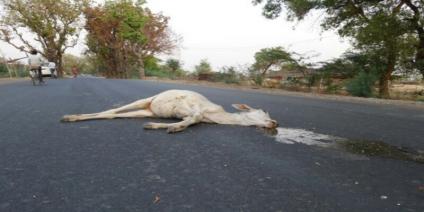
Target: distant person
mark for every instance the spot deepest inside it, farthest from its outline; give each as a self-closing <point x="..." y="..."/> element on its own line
<point x="34" y="61"/>
<point x="75" y="71"/>
<point x="52" y="67"/>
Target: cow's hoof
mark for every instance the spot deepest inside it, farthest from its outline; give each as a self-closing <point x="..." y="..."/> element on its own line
<point x="68" y="118"/>
<point x="175" y="129"/>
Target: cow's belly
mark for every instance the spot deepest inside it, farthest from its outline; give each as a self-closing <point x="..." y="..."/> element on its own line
<point x="174" y="109"/>
<point x="180" y="104"/>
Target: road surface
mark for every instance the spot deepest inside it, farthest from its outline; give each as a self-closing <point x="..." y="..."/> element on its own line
<point x="115" y="165"/>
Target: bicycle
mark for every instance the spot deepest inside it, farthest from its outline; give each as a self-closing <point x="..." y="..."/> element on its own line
<point x="35" y="78"/>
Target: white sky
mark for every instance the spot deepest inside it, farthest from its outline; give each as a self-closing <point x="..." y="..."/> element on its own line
<point x="229" y="32"/>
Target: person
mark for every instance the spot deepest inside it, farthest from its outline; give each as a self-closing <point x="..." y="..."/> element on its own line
<point x="52" y="67"/>
<point x="75" y="71"/>
<point x="34" y="61"/>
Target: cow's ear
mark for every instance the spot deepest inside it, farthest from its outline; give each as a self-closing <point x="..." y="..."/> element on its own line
<point x="242" y="107"/>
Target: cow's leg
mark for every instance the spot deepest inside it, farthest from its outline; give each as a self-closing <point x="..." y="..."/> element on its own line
<point x="139" y="104"/>
<point x="132" y="114"/>
<point x="175" y="127"/>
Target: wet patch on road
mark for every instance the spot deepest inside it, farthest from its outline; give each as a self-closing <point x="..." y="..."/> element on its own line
<point x="357" y="147"/>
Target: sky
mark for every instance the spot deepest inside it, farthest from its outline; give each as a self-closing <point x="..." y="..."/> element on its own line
<point x="228" y="33"/>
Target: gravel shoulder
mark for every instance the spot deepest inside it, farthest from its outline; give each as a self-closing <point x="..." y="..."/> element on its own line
<point x="4" y="81"/>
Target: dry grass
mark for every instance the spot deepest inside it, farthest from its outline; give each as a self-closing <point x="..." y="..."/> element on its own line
<point x="407" y="91"/>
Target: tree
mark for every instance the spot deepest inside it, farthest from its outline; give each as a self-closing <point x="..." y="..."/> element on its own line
<point x="351" y="63"/>
<point x="3" y="68"/>
<point x="361" y="85"/>
<point x="109" y="28"/>
<point x="70" y="61"/>
<point x="160" y="39"/>
<point x="374" y="25"/>
<point x="413" y="14"/>
<point x="173" y="64"/>
<point x="385" y="35"/>
<point x="83" y="63"/>
<point x="361" y="68"/>
<point x="268" y="57"/>
<point x="123" y="35"/>
<point x="229" y="74"/>
<point x="54" y="26"/>
<point x="204" y="67"/>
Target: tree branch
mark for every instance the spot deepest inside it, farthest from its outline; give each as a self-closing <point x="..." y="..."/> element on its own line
<point x="396" y="10"/>
<point x="8" y="39"/>
<point x="416" y="18"/>
<point x="358" y="10"/>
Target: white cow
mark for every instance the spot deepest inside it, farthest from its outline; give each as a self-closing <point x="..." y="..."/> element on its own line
<point x="189" y="106"/>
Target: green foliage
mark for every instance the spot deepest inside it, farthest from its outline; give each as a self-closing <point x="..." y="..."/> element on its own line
<point x="204" y="67"/>
<point x="293" y="81"/>
<point x="85" y="64"/>
<point x="173" y="64"/>
<point x="17" y="70"/>
<point x="255" y="75"/>
<point x="130" y="18"/>
<point x="70" y="61"/>
<point x="153" y="69"/>
<point x="3" y="71"/>
<point x="114" y="29"/>
<point x="333" y="88"/>
<point x="228" y="75"/>
<point x="269" y="57"/>
<point x="162" y="73"/>
<point x="123" y="35"/>
<point x="3" y="68"/>
<point x="343" y="67"/>
<point x="158" y="73"/>
<point x="258" y="79"/>
<point x="312" y="79"/>
<point x="362" y="85"/>
<point x="351" y="63"/>
<point x="151" y="63"/>
<point x="389" y="27"/>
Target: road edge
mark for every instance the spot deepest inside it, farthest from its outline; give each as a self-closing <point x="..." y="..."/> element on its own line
<point x="4" y="81"/>
<point x="280" y="92"/>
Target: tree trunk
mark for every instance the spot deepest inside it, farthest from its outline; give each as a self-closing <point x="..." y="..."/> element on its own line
<point x="386" y="76"/>
<point x="113" y="64"/>
<point x="59" y="66"/>
<point x="419" y="57"/>
<point x="384" y="85"/>
<point x="266" y="70"/>
<point x="142" y="71"/>
<point x="54" y="56"/>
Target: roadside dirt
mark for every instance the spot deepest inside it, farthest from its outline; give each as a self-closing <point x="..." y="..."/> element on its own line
<point x="275" y="91"/>
<point x="9" y="80"/>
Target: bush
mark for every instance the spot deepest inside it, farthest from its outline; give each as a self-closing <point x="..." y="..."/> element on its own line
<point x="258" y="79"/>
<point x="3" y="68"/>
<point x="361" y="85"/>
<point x="227" y="75"/>
<point x="161" y="73"/>
<point x="312" y="79"/>
<point x="17" y="70"/>
<point x="157" y="73"/>
<point x="333" y="89"/>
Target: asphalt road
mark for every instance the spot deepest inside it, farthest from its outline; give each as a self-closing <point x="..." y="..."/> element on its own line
<point x="115" y="165"/>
